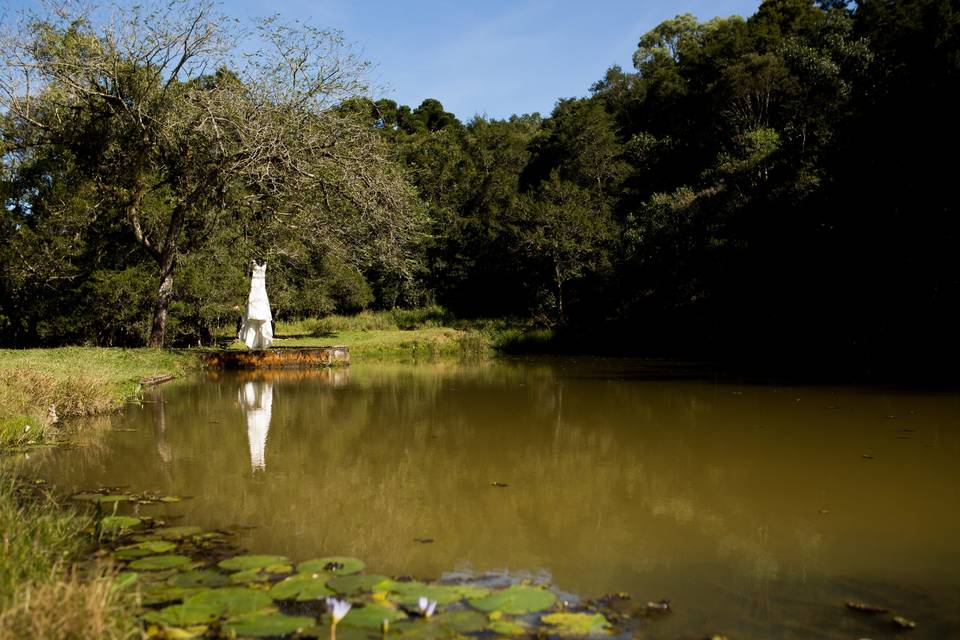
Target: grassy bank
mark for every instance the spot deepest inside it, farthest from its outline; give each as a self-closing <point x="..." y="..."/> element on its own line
<point x="46" y="590"/>
<point x="74" y="380"/>
<point x="426" y="333"/>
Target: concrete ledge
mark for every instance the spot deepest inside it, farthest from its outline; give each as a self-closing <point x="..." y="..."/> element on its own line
<point x="278" y="358"/>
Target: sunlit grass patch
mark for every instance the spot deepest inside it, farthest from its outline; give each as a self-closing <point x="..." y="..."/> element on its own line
<point x="74" y="380"/>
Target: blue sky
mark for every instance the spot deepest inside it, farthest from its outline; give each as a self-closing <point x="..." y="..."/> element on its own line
<point x="495" y="57"/>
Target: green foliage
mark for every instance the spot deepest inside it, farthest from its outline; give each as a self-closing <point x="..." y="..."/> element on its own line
<point x="747" y="179"/>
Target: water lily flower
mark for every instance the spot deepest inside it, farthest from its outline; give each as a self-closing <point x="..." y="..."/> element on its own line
<point x="338" y="609"/>
<point x="427" y="607"/>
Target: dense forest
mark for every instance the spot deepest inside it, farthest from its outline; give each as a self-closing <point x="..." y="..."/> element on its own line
<point x="774" y="188"/>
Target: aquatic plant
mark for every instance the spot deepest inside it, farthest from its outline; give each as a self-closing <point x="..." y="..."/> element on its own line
<point x="426" y="607"/>
<point x="338" y="610"/>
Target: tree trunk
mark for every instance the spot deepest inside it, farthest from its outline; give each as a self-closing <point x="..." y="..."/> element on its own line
<point x="168" y="261"/>
<point x="559" y="280"/>
<point x="158" y="330"/>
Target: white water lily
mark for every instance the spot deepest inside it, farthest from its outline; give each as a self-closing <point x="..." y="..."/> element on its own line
<point x="338" y="609"/>
<point x="427" y="607"/>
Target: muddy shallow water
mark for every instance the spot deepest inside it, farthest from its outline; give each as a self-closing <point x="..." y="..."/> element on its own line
<point x="758" y="510"/>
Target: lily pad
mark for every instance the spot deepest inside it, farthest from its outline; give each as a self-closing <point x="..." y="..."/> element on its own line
<point x="184" y="615"/>
<point x="184" y="633"/>
<point x="576" y="624"/>
<point x="371" y="617"/>
<point x="125" y="580"/>
<point x="343" y="633"/>
<point x="268" y="624"/>
<point x="408" y="593"/>
<point x="302" y="588"/>
<point x="202" y="578"/>
<point x="515" y="600"/>
<point x="509" y="628"/>
<point x="249" y="576"/>
<point x="245" y="563"/>
<point x="339" y="565"/>
<point x="465" y="621"/>
<point x="166" y="594"/>
<point x="355" y="584"/>
<point x="157" y="563"/>
<point x="114" y="524"/>
<point x="444" y="626"/>
<point x="150" y="547"/>
<point x="176" y="533"/>
<point x="231" y="601"/>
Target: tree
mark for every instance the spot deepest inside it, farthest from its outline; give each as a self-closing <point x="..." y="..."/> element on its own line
<point x="182" y="136"/>
<point x="564" y="229"/>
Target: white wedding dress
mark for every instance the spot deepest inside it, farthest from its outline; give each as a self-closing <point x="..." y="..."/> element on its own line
<point x="257" y="331"/>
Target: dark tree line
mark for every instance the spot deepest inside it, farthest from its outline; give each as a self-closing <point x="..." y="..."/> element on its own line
<point x="778" y="187"/>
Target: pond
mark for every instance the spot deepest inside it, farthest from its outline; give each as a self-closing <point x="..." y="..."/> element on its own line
<point x="758" y="510"/>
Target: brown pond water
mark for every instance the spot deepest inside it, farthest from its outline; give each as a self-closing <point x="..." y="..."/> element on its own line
<point x="758" y="510"/>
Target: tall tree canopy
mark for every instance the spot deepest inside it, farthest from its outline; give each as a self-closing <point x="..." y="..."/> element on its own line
<point x="149" y="130"/>
<point x="770" y="186"/>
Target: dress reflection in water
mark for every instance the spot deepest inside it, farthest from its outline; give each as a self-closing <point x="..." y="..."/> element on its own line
<point x="256" y="400"/>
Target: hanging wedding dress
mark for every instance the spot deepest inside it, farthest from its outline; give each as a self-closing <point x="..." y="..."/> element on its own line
<point x="257" y="331"/>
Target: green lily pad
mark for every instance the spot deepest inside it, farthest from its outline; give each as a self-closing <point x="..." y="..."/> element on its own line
<point x="245" y="563"/>
<point x="425" y="630"/>
<point x="301" y="587"/>
<point x="268" y="624"/>
<point x="157" y="563"/>
<point x="183" y="615"/>
<point x="125" y="580"/>
<point x="576" y="624"/>
<point x="465" y="621"/>
<point x="185" y="633"/>
<point x="176" y="533"/>
<point x="343" y="633"/>
<point x="355" y="584"/>
<point x="509" y="628"/>
<point x="112" y="498"/>
<point x="442" y="626"/>
<point x="166" y="594"/>
<point x="515" y="600"/>
<point x="231" y="601"/>
<point x="203" y="578"/>
<point x="370" y="617"/>
<point x="339" y="565"/>
<point x="150" y="547"/>
<point x="409" y="593"/>
<point x="114" y="524"/>
<point x="249" y="576"/>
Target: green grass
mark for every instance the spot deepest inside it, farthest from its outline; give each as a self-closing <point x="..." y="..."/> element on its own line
<point x="429" y="333"/>
<point x="75" y="380"/>
<point x="45" y="589"/>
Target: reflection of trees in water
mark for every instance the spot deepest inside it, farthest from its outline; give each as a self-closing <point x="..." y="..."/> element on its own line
<point x="609" y="480"/>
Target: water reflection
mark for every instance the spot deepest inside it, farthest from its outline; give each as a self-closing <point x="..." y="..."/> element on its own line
<point x="752" y="507"/>
<point x="256" y="400"/>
